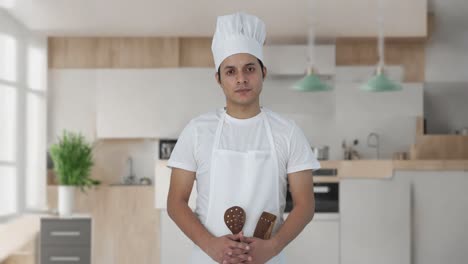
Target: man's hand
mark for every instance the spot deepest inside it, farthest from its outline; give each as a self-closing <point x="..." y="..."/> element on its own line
<point x="228" y="249"/>
<point x="261" y="250"/>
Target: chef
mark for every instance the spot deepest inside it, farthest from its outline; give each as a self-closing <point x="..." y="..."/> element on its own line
<point x="240" y="155"/>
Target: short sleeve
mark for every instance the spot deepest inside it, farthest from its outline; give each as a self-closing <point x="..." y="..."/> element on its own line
<point x="301" y="156"/>
<point x="183" y="154"/>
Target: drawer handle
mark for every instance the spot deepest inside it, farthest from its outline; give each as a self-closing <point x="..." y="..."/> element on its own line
<point x="64" y="258"/>
<point x="321" y="189"/>
<point x="65" y="233"/>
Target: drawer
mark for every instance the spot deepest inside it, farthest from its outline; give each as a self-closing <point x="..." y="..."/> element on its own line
<point x="65" y="255"/>
<point x="60" y="232"/>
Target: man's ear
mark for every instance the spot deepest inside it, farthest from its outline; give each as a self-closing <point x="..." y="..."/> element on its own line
<point x="217" y="78"/>
<point x="264" y="70"/>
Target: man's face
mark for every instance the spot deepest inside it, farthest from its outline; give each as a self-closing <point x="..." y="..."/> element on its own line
<point x="241" y="79"/>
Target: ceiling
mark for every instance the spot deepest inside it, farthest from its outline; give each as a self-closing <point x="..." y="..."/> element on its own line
<point x="284" y="19"/>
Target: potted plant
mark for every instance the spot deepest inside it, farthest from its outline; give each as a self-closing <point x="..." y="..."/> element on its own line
<point x="73" y="160"/>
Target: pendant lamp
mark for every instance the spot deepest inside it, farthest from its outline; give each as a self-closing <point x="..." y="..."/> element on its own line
<point x="311" y="82"/>
<point x="380" y="82"/>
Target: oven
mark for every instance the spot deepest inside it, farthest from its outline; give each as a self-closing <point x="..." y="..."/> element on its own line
<point x="326" y="194"/>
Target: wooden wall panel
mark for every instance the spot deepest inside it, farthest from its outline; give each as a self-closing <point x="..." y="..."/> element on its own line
<point x="432" y="146"/>
<point x="444" y="147"/>
<point x="115" y="52"/>
<point x="363" y="51"/>
<point x="72" y="52"/>
<point x="160" y="52"/>
<point x="196" y="52"/>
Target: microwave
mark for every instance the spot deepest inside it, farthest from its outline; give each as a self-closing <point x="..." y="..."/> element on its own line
<point x="165" y="148"/>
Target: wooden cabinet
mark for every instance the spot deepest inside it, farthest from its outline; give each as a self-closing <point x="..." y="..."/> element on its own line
<point x="125" y="223"/>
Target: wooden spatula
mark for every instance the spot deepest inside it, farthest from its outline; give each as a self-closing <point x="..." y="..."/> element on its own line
<point x="234" y="218"/>
<point x="265" y="226"/>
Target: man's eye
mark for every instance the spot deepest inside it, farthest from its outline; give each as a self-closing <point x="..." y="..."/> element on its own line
<point x="251" y="69"/>
<point x="230" y="72"/>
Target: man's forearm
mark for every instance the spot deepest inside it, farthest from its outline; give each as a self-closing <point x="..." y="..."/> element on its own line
<point x="186" y="220"/>
<point x="298" y="218"/>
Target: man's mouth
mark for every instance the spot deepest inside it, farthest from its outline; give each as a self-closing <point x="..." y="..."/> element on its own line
<point x="243" y="90"/>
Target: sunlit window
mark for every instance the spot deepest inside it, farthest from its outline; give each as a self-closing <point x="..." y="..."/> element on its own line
<point x="23" y="81"/>
<point x="8" y="196"/>
<point x="8" y="60"/>
<point x="7" y="123"/>
<point x="8" y="4"/>
<point x="35" y="151"/>
<point x="36" y="68"/>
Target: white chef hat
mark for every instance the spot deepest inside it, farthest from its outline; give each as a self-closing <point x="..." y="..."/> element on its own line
<point x="238" y="33"/>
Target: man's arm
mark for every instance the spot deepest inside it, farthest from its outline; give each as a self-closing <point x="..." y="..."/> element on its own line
<point x="179" y="211"/>
<point x="301" y="187"/>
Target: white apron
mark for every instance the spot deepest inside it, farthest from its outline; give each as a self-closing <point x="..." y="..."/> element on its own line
<point x="246" y="179"/>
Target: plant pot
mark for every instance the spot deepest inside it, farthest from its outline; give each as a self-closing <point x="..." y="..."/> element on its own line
<point x="66" y="200"/>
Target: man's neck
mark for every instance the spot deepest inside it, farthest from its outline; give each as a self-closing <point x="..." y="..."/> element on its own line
<point x="243" y="112"/>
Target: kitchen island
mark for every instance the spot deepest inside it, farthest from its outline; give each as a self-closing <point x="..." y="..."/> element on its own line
<point x="411" y="211"/>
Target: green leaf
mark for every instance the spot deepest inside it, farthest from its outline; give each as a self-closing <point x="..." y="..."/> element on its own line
<point x="73" y="160"/>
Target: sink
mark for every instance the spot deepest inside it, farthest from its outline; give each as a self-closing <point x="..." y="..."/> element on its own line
<point x="128" y="184"/>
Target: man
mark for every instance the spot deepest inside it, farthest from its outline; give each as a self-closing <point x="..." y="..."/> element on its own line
<point x="243" y="155"/>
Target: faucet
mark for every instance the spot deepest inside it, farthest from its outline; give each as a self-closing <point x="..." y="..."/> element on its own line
<point x="375" y="145"/>
<point x="130" y="179"/>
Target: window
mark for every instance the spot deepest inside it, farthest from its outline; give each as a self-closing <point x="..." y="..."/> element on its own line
<point x="8" y="126"/>
<point x="23" y="93"/>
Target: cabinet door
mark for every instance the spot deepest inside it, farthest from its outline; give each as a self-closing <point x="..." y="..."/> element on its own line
<point x="155" y="103"/>
<point x="375" y="221"/>
<point x="318" y="243"/>
<point x="176" y="247"/>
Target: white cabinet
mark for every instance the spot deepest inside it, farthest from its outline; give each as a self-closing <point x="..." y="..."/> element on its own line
<point x="154" y="103"/>
<point x="318" y="243"/>
<point x="176" y="247"/>
<point x="375" y="221"/>
<point x="71" y="103"/>
<point x="440" y="215"/>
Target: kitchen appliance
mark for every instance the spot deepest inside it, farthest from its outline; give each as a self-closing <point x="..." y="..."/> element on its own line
<point x="374" y="142"/>
<point x="321" y="153"/>
<point x="400" y="155"/>
<point x="165" y="148"/>
<point x="464" y="131"/>
<point x="326" y="194"/>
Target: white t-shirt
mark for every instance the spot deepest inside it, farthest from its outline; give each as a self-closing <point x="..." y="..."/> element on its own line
<point x="195" y="144"/>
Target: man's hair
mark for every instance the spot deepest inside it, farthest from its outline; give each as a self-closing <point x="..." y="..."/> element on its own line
<point x="259" y="61"/>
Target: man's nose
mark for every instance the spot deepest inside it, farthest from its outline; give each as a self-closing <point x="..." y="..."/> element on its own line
<point x="241" y="77"/>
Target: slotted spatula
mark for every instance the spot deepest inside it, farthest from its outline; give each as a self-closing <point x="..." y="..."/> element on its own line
<point x="234" y="218"/>
<point x="265" y="226"/>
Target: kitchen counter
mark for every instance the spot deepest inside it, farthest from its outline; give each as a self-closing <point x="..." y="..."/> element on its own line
<point x="386" y="168"/>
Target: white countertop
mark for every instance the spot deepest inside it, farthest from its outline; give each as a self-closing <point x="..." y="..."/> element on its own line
<point x="322" y="216"/>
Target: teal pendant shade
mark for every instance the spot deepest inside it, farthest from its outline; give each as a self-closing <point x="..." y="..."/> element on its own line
<point x="380" y="83"/>
<point x="311" y="83"/>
